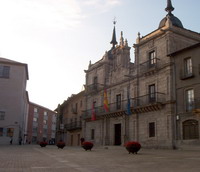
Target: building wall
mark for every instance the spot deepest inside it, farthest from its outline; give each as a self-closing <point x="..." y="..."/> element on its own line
<point x="183" y="83"/>
<point x="13" y="101"/>
<point x="71" y="113"/>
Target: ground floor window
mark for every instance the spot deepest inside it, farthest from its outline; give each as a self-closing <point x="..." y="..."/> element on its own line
<point x="34" y="139"/>
<point x="92" y="134"/>
<point x="190" y="129"/>
<point x="1" y="131"/>
<point x="152" y="132"/>
<point x="10" y="132"/>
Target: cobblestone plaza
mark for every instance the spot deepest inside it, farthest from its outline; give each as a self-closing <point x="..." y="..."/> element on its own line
<point x="33" y="158"/>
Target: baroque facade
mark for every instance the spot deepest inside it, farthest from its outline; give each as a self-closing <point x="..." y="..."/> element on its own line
<point x="142" y="96"/>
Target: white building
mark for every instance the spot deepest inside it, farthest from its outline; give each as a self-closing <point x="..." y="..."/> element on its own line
<point x="13" y="101"/>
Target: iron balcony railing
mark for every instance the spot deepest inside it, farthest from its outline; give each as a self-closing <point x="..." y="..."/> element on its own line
<point x="73" y="125"/>
<point x="197" y="103"/>
<point x="193" y="105"/>
<point x="93" y="88"/>
<point x="150" y="64"/>
<point x="122" y="105"/>
<point x="185" y="75"/>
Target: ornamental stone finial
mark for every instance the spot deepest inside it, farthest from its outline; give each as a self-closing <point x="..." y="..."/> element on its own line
<point x="169" y="7"/>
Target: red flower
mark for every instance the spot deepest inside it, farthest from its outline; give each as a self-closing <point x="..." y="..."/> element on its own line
<point x="87" y="145"/>
<point x="132" y="147"/>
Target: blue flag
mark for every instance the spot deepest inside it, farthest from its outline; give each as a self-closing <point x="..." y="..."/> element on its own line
<point x="128" y="106"/>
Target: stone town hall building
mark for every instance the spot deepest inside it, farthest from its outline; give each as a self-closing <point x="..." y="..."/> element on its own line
<point x="149" y="84"/>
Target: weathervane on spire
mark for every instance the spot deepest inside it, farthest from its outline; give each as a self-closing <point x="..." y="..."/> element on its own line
<point x="114" y="21"/>
<point x="113" y="41"/>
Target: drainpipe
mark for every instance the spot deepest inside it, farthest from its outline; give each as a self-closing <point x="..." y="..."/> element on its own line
<point x="174" y="107"/>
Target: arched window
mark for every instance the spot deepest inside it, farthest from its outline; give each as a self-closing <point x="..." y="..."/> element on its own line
<point x="190" y="129"/>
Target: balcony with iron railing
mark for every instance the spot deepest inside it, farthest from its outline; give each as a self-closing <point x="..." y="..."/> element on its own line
<point x="93" y="88"/>
<point x="73" y="125"/>
<point x="146" y="103"/>
<point x="150" y="65"/>
<point x="186" y="74"/>
<point x="194" y="106"/>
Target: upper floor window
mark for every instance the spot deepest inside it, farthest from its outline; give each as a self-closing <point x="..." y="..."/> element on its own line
<point x="44" y="122"/>
<point x="35" y="110"/>
<point x="152" y="93"/>
<point x="45" y="113"/>
<point x="4" y="71"/>
<point x="95" y="80"/>
<point x="35" y="119"/>
<point x="81" y="103"/>
<point x="118" y="101"/>
<point x="2" y="115"/>
<point x="152" y="58"/>
<point x="188" y="66"/>
<point x="189" y="99"/>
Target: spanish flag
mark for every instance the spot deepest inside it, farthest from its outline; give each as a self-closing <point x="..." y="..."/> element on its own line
<point x="105" y="102"/>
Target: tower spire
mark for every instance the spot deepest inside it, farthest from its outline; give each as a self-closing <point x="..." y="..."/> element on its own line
<point x="169" y="7"/>
<point x="113" y="41"/>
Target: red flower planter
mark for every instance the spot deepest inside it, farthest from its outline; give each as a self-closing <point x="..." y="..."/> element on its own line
<point x="133" y="147"/>
<point x="87" y="145"/>
<point x="60" y="145"/>
<point x="43" y="144"/>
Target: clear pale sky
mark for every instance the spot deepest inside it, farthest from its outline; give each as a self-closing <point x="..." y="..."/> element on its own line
<point x="58" y="38"/>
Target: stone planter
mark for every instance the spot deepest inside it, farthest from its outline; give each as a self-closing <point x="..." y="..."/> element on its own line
<point x="87" y="145"/>
<point x="133" y="147"/>
<point x="60" y="145"/>
<point x="43" y="144"/>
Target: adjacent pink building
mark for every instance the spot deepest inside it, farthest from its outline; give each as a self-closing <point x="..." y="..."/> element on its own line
<point x="41" y="124"/>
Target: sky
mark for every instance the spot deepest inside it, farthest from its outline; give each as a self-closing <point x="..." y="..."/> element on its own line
<point x="58" y="38"/>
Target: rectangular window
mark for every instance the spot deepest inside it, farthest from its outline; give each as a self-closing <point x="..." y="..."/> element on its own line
<point x="35" y="130"/>
<point x="118" y="102"/>
<point x="45" y="113"/>
<point x="152" y="129"/>
<point x="1" y="132"/>
<point x="35" y="110"/>
<point x="189" y="99"/>
<point x="92" y="134"/>
<point x="4" y="71"/>
<point x="44" y="122"/>
<point x="152" y="58"/>
<point x="81" y="103"/>
<point x="188" y="66"/>
<point x="44" y="131"/>
<point x="35" y="119"/>
<point x="2" y="115"/>
<point x="95" y="80"/>
<point x="10" y="132"/>
<point x="152" y="93"/>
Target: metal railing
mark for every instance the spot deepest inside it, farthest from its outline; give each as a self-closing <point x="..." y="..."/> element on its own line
<point x="73" y="125"/>
<point x="150" y="64"/>
<point x="122" y="105"/>
<point x="194" y="105"/>
<point x="93" y="88"/>
<point x="149" y="99"/>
